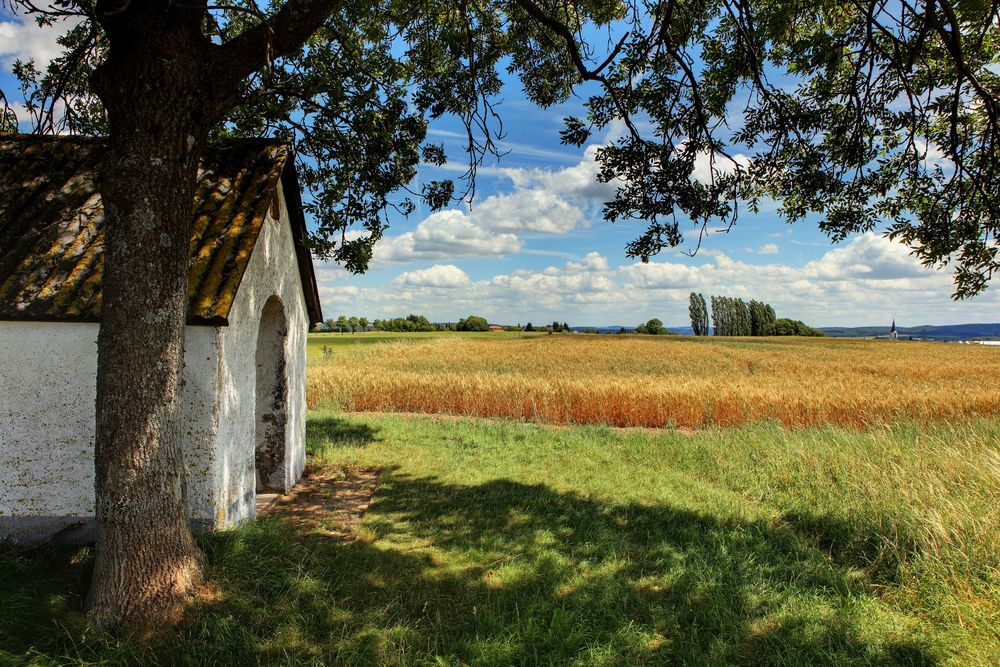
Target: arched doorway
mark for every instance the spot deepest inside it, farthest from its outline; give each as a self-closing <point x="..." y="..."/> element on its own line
<point x="271" y="398"/>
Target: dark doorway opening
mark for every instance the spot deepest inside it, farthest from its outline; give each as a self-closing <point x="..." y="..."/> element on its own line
<point x="271" y="398"/>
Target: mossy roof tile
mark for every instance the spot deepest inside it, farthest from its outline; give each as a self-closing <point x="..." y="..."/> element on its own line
<point x="52" y="226"/>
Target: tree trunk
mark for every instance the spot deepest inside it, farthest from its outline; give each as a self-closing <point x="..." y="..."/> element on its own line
<point x="146" y="560"/>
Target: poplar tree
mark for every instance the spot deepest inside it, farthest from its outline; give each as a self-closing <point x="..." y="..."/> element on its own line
<point x="761" y="314"/>
<point x="696" y="312"/>
<point x="703" y="308"/>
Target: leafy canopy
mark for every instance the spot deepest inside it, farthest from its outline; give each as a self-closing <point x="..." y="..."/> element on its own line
<point x="864" y="114"/>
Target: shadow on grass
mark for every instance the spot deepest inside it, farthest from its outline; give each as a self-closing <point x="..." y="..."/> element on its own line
<point x="855" y="545"/>
<point x="325" y="431"/>
<point x="498" y="573"/>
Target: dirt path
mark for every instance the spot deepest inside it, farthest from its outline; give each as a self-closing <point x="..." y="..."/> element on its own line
<point x="332" y="500"/>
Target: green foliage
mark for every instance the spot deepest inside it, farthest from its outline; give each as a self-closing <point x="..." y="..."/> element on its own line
<point x="410" y="323"/>
<point x="731" y="317"/>
<point x="787" y="327"/>
<point x="473" y="323"/>
<point x="735" y="317"/>
<point x="761" y="315"/>
<point x="698" y="311"/>
<point x="653" y="327"/>
<point x="866" y="116"/>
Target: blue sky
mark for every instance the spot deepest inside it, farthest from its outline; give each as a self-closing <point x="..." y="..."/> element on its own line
<point x="533" y="246"/>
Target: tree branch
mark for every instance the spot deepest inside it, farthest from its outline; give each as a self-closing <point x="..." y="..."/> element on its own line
<point x="586" y="74"/>
<point x="284" y="32"/>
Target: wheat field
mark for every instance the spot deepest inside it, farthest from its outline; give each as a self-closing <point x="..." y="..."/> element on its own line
<point x="662" y="381"/>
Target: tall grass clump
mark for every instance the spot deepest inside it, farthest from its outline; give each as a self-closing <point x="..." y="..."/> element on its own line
<point x="919" y="504"/>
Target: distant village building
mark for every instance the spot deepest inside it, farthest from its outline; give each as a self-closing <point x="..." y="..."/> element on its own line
<point x="496" y="327"/>
<point x="893" y="334"/>
<point x="252" y="300"/>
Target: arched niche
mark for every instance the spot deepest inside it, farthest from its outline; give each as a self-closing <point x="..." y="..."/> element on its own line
<point x="271" y="398"/>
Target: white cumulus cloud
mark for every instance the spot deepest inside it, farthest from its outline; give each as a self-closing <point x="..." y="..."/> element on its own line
<point x="577" y="181"/>
<point x="535" y="210"/>
<point x="23" y="39"/>
<point x="442" y="235"/>
<point x="440" y="275"/>
<point x="594" y="261"/>
<point x="868" y="257"/>
<point x="867" y="280"/>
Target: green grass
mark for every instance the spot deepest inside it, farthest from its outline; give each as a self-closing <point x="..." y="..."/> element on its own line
<point x="337" y="343"/>
<point x="503" y="543"/>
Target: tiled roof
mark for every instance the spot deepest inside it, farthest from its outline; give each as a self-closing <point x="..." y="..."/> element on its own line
<point x="52" y="226"/>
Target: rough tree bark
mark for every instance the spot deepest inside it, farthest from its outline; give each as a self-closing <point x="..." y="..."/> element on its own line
<point x="164" y="85"/>
<point x="146" y="560"/>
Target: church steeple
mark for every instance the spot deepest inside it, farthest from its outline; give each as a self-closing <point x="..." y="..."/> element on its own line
<point x="892" y="331"/>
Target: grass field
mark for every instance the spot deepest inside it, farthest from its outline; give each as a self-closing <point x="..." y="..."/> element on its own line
<point x="868" y="534"/>
<point x="501" y="543"/>
<point x="657" y="381"/>
<point x="322" y="347"/>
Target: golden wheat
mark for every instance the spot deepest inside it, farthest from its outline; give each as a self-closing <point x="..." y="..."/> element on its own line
<point x="660" y="381"/>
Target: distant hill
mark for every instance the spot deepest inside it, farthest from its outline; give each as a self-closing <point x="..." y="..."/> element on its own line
<point x="607" y="329"/>
<point x="944" y="332"/>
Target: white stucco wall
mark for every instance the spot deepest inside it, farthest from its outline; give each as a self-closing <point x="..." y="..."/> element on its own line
<point x="273" y="270"/>
<point x="47" y="391"/>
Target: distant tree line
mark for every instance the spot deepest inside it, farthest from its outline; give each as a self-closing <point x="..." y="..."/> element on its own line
<point x="352" y="324"/>
<point x="344" y="324"/>
<point x="555" y="327"/>
<point x="418" y="323"/>
<point x="729" y="316"/>
<point x="735" y="317"/>
<point x="410" y="323"/>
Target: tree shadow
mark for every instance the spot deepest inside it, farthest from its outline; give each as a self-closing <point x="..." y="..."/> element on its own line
<point x="857" y="545"/>
<point x="503" y="573"/>
<point x="323" y="432"/>
<point x="510" y="573"/>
